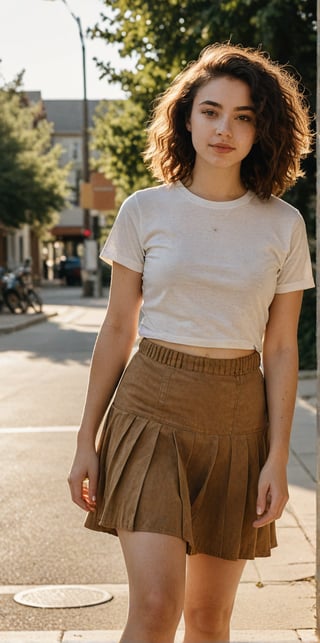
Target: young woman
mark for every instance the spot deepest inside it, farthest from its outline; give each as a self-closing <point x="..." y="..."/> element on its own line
<point x="192" y="459"/>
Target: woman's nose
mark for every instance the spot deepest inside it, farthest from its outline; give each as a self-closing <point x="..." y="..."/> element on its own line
<point x="223" y="127"/>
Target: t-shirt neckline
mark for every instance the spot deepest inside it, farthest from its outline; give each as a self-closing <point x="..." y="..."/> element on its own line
<point x="216" y="205"/>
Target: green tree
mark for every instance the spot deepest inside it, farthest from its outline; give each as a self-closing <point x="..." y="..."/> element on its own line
<point x="122" y="163"/>
<point x="32" y="184"/>
<point x="156" y="40"/>
<point x="162" y="37"/>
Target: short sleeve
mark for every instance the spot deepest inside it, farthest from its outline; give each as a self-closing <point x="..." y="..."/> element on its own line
<point x="124" y="243"/>
<point x="296" y="272"/>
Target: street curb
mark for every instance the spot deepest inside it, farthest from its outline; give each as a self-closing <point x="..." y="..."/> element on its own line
<point x="112" y="636"/>
<point x="36" y="318"/>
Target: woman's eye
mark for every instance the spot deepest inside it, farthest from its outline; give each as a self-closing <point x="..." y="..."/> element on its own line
<point x="245" y="117"/>
<point x="210" y="112"/>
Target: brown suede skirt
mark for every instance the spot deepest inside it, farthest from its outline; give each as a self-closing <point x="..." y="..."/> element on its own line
<point x="181" y="451"/>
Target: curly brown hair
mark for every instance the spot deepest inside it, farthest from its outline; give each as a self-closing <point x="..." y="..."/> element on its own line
<point x="282" y="117"/>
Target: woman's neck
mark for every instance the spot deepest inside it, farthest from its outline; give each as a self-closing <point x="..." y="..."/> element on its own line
<point x="217" y="185"/>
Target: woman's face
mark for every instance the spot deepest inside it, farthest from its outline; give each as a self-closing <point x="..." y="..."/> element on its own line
<point x="222" y="122"/>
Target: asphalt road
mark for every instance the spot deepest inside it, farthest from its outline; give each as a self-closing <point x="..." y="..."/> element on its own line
<point x="44" y="372"/>
<point x="44" y="368"/>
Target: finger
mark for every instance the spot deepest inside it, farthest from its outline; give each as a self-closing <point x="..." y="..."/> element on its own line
<point x="264" y="520"/>
<point x="273" y="512"/>
<point x="81" y="502"/>
<point x="78" y="496"/>
<point x="88" y="494"/>
<point x="91" y="486"/>
<point x="262" y="500"/>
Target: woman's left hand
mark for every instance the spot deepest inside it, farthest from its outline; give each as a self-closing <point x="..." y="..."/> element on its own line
<point x="272" y="493"/>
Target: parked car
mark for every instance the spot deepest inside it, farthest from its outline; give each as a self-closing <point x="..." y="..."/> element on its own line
<point x="70" y="271"/>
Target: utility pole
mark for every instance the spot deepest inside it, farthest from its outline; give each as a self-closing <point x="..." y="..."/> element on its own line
<point x="88" y="287"/>
<point x="85" y="118"/>
<point x="87" y="282"/>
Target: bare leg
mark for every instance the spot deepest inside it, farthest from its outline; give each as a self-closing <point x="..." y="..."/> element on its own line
<point x="156" y="571"/>
<point x="211" y="587"/>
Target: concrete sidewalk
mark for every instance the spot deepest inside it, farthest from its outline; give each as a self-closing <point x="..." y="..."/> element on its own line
<point x="276" y="597"/>
<point x="10" y="323"/>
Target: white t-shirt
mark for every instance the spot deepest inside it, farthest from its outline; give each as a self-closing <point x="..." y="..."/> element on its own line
<point x="210" y="269"/>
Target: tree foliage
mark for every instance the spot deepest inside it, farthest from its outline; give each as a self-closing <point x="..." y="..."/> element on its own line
<point x="162" y="37"/>
<point x="113" y="123"/>
<point x="157" y="39"/>
<point x="32" y="184"/>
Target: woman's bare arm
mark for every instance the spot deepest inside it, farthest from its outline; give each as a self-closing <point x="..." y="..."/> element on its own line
<point x="280" y="361"/>
<point x="110" y="356"/>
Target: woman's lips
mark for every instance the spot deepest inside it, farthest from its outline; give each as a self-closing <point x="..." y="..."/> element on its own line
<point x="223" y="149"/>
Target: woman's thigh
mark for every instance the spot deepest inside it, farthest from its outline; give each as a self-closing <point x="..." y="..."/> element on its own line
<point x="155" y="565"/>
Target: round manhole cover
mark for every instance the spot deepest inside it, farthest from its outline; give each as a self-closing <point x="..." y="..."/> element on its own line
<point x="62" y="596"/>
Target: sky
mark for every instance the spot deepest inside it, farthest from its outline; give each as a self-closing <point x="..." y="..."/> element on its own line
<point x="41" y="37"/>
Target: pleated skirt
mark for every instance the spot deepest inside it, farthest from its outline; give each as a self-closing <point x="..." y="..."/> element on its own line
<point x="183" y="444"/>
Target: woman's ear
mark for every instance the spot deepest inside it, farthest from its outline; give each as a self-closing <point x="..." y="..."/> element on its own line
<point x="188" y="125"/>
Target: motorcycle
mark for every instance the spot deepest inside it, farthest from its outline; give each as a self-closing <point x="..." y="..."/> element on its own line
<point x="17" y="291"/>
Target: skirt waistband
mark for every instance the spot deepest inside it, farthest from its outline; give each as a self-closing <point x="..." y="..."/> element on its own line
<point x="185" y="361"/>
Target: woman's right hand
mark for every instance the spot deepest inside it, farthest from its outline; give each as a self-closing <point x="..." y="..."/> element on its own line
<point x="83" y="478"/>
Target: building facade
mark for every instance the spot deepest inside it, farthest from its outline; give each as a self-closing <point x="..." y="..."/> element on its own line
<point x="67" y="237"/>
